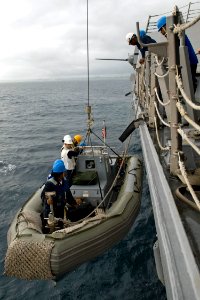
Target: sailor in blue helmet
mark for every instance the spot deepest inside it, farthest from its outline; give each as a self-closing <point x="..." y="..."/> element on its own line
<point x="56" y="193"/>
<point x="161" y="25"/>
<point x="133" y="40"/>
<point x="57" y="198"/>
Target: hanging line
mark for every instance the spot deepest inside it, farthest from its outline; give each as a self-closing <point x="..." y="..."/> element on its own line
<point x="88" y="107"/>
<point x="105" y="144"/>
<point x="88" y="70"/>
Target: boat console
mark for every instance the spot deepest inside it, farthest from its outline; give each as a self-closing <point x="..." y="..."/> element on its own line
<point x="95" y="171"/>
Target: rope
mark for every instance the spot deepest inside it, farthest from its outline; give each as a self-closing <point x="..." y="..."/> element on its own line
<point x="185" y="199"/>
<point x="141" y="79"/>
<point x="161" y="147"/>
<point x="105" y="144"/>
<point x="180" y="86"/>
<point x="29" y="260"/>
<point x="159" y="63"/>
<point x="166" y="124"/>
<point x="179" y="28"/>
<point x="184" y="174"/>
<point x="184" y="114"/>
<point x="185" y="137"/>
<point x="161" y="102"/>
<point x="162" y="76"/>
<point x="149" y="94"/>
<point x="88" y="70"/>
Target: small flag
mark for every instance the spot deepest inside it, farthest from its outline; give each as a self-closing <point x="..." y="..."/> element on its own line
<point x="103" y="131"/>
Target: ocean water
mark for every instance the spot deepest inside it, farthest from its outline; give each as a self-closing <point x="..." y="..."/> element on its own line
<point x="34" y="117"/>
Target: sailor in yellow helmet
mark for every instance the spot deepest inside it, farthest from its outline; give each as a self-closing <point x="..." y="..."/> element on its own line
<point x="77" y="139"/>
<point x="78" y="144"/>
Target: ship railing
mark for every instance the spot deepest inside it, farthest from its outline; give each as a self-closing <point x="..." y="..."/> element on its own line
<point x="189" y="12"/>
<point x="160" y="92"/>
<point x="165" y="73"/>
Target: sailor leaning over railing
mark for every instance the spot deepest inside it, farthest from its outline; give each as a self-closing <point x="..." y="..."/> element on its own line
<point x="161" y="25"/>
<point x="166" y="84"/>
<point x="133" y="40"/>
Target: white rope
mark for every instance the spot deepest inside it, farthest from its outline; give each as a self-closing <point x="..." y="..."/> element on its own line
<point x="180" y="86"/>
<point x="184" y="114"/>
<point x="144" y="82"/>
<point x="149" y="92"/>
<point x="141" y="81"/>
<point x="185" y="137"/>
<point x="166" y="124"/>
<point x="184" y="174"/>
<point x="161" y="102"/>
<point x="161" y="147"/>
<point x="181" y="27"/>
<point x="162" y="76"/>
<point x="157" y="61"/>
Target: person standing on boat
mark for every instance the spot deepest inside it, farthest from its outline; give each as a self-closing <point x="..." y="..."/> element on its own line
<point x="58" y="201"/>
<point x="133" y="40"/>
<point x="56" y="193"/>
<point x="161" y="25"/>
<point x="68" y="155"/>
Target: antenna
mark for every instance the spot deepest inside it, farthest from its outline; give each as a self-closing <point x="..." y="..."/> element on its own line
<point x="88" y="107"/>
<point x="88" y="66"/>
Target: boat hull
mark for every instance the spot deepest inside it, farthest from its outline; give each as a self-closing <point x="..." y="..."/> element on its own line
<point x="86" y="241"/>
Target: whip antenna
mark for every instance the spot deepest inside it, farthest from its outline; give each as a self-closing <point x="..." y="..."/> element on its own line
<point x="88" y="107"/>
<point x="88" y="66"/>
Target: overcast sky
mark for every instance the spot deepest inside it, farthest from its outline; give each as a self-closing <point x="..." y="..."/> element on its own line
<point x="46" y="39"/>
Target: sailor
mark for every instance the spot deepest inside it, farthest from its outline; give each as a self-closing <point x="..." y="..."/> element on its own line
<point x="77" y="140"/>
<point x="133" y="40"/>
<point x="161" y="25"/>
<point x="58" y="202"/>
<point x="56" y="193"/>
<point x="68" y="155"/>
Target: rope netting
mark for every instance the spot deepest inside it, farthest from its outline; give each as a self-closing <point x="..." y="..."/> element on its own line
<point x="29" y="260"/>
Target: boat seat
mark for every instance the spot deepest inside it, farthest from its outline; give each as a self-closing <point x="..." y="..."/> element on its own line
<point x="85" y="178"/>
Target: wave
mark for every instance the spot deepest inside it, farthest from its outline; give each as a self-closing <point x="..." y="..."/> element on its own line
<point x="6" y="168"/>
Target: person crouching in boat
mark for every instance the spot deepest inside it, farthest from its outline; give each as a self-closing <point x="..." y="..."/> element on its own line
<point x="56" y="195"/>
<point x="68" y="155"/>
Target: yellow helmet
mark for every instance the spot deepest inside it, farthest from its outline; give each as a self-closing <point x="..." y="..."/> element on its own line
<point x="78" y="138"/>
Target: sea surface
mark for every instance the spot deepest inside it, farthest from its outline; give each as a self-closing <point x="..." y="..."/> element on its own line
<point x="34" y="117"/>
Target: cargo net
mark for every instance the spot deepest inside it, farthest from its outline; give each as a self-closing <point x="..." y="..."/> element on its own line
<point x="29" y="260"/>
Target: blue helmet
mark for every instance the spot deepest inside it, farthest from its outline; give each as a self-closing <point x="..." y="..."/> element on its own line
<point x="142" y="33"/>
<point x="161" y="22"/>
<point x="58" y="166"/>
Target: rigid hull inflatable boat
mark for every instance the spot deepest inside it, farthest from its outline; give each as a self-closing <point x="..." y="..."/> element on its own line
<point x="111" y="185"/>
